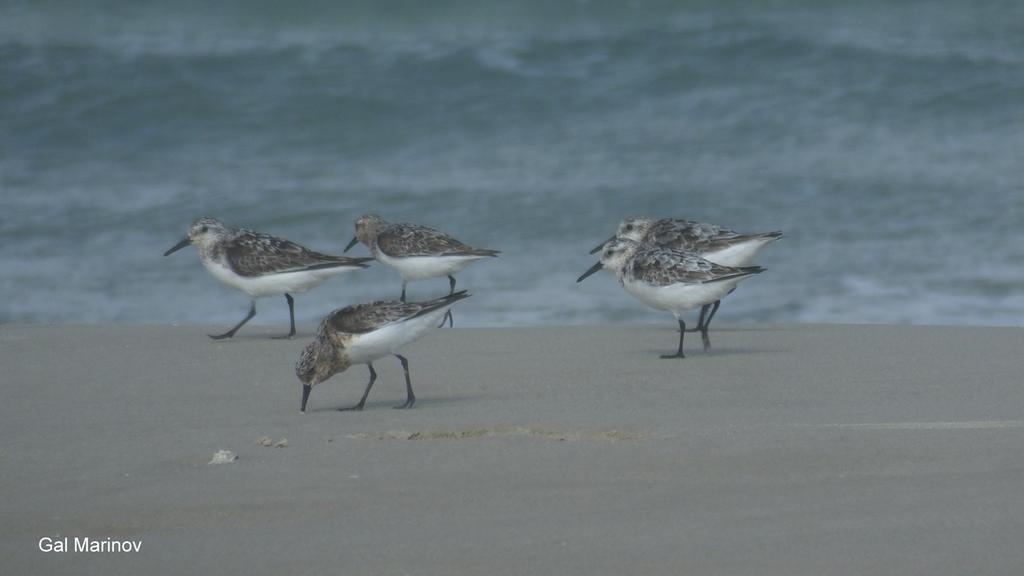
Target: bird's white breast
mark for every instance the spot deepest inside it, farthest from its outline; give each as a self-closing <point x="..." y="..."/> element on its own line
<point x="423" y="267"/>
<point x="273" y="284"/>
<point x="389" y="339"/>
<point x="677" y="298"/>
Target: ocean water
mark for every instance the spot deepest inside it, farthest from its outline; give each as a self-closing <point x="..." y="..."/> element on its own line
<point x="885" y="138"/>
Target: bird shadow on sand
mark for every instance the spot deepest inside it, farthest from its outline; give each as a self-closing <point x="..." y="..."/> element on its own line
<point x="421" y="402"/>
<point x="743" y="328"/>
<point x="698" y="353"/>
<point x="256" y="336"/>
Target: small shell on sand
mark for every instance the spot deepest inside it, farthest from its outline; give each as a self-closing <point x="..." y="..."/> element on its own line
<point x="223" y="457"/>
<point x="267" y="442"/>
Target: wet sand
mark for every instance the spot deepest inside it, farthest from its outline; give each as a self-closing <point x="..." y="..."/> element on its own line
<point x="787" y="450"/>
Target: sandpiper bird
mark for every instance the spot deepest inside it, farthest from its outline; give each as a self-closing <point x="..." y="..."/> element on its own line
<point x="670" y="280"/>
<point x="719" y="245"/>
<point x="261" y="265"/>
<point x="416" y="252"/>
<point x="363" y="333"/>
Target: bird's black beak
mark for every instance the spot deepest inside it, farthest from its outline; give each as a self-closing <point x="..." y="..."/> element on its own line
<point x="305" y="396"/>
<point x="178" y="246"/>
<point x="593" y="269"/>
<point x="601" y="245"/>
<point x="354" y="241"/>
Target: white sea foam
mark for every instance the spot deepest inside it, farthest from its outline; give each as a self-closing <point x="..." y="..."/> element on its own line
<point x="885" y="147"/>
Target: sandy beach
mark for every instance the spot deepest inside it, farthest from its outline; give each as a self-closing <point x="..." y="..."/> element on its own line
<point x="810" y="449"/>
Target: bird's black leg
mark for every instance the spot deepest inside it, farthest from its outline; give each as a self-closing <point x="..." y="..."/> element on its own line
<point x="410" y="398"/>
<point x="705" y="322"/>
<point x="291" y="316"/>
<point x="682" y="332"/>
<point x="704" y="337"/>
<point x="403" y="291"/>
<point x="448" y="313"/>
<point x="700" y="321"/>
<point x="713" y="310"/>
<point x="230" y="333"/>
<point x="362" y="401"/>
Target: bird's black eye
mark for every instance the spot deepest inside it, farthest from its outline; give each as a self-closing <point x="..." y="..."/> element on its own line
<point x="203" y="229"/>
<point x="629" y="227"/>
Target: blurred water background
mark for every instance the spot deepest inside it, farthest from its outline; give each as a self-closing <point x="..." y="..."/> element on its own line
<point x="885" y="138"/>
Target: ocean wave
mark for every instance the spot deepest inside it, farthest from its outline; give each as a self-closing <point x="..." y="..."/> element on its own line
<point x="883" y="140"/>
<point x="976" y="32"/>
